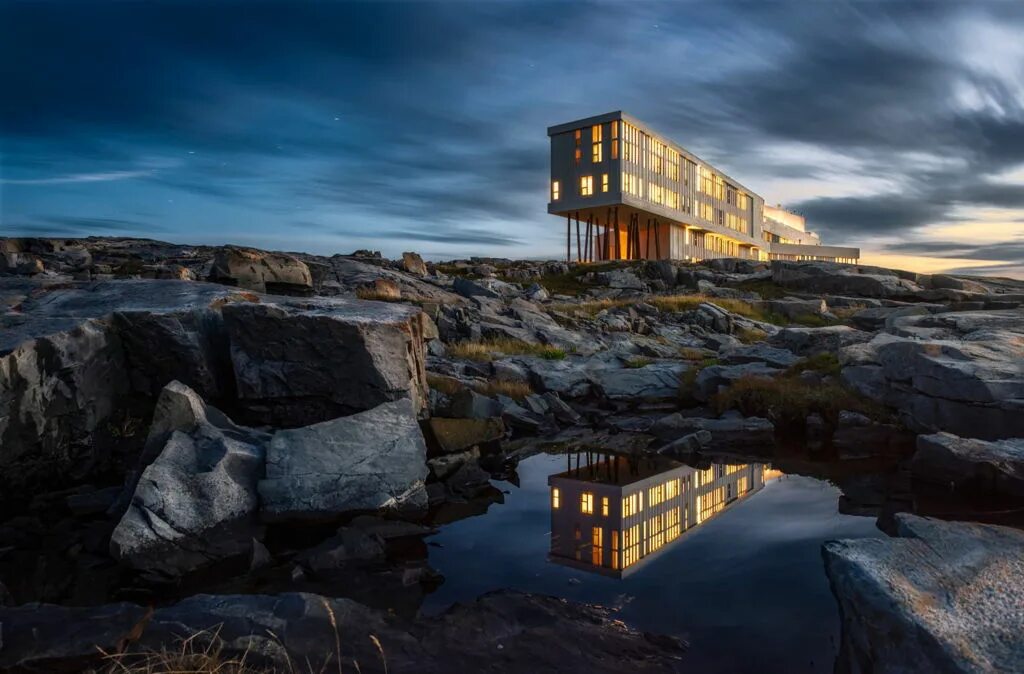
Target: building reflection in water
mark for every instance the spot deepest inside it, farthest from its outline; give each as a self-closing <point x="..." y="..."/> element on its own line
<point x="614" y="512"/>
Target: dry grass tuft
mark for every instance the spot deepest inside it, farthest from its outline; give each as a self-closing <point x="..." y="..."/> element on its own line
<point x="486" y="350"/>
<point x="750" y="335"/>
<point x="446" y="385"/>
<point x="517" y="390"/>
<point x="198" y="654"/>
<point x="638" y="361"/>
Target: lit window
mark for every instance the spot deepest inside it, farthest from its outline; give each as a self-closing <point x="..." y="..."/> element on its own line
<point x="587" y="503"/>
<point x="604" y="506"/>
<point x="578" y="156"/>
<point x="595" y="133"/>
<point x="579" y="136"/>
<point x="595" y="155"/>
<point x="556" y="190"/>
<point x="615" y="148"/>
<point x="586" y="186"/>
<point x="556" y="498"/>
<point x="604" y="182"/>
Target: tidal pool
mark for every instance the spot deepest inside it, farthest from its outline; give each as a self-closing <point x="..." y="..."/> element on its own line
<point x="727" y="557"/>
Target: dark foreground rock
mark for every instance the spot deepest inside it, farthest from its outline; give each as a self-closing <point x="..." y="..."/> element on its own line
<point x="942" y="597"/>
<point x="981" y="466"/>
<point x="501" y="631"/>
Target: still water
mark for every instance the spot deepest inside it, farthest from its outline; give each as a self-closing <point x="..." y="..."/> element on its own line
<point x="728" y="558"/>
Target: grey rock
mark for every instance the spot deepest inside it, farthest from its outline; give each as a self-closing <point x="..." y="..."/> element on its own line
<point x="561" y="410"/>
<point x="652" y="382"/>
<point x="568" y="378"/>
<point x="809" y="341"/>
<point x="49" y="638"/>
<point x="878" y="317"/>
<point x="620" y="279"/>
<point x="441" y="467"/>
<point x="711" y="379"/>
<point x="793" y="308"/>
<point x="455" y="435"/>
<point x="368" y="461"/>
<point x="468" y="404"/>
<point x="261" y="271"/>
<point x="758" y="353"/>
<point x="290" y="358"/>
<point x="942" y="597"/>
<point x="468" y="288"/>
<point x="196" y="503"/>
<point x="350" y="544"/>
<point x="688" y="444"/>
<point x="842" y="279"/>
<point x="727" y="433"/>
<point x="413" y="263"/>
<point x="259" y="557"/>
<point x="93" y="502"/>
<point x="994" y="468"/>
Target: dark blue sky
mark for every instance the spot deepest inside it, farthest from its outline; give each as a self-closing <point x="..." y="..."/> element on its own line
<point x="331" y="126"/>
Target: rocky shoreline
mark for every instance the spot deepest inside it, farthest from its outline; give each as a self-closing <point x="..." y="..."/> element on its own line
<point x="221" y="431"/>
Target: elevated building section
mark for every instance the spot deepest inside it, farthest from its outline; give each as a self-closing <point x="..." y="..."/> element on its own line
<point x="633" y="194"/>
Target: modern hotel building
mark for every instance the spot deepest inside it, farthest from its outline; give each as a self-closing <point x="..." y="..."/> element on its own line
<point x="633" y="194"/>
<point x="614" y="513"/>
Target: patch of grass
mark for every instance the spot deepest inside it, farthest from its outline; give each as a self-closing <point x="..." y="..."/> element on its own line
<point x="563" y="284"/>
<point x="766" y="289"/>
<point x="376" y="295"/>
<point x="787" y="401"/>
<point x="826" y="363"/>
<point x="590" y="308"/>
<point x="638" y="361"/>
<point x="814" y="321"/>
<point x="693" y="353"/>
<point x="750" y="335"/>
<point x="516" y="390"/>
<point x="452" y="270"/>
<point x="485" y="351"/>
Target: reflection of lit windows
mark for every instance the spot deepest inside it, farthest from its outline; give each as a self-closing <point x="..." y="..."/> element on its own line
<point x="587" y="503"/>
<point x="556" y="498"/>
<point x="604" y="182"/>
<point x="604" y="506"/>
<point x="556" y="190"/>
<point x="586" y="186"/>
<point x="615" y="548"/>
<point x="597" y="546"/>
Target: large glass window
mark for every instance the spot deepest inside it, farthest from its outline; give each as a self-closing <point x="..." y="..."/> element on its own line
<point x="587" y="503"/>
<point x="586" y="186"/>
<point x="556" y="190"/>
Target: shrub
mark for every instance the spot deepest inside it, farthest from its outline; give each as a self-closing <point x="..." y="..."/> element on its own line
<point x="787" y="401"/>
<point x="516" y="390"/>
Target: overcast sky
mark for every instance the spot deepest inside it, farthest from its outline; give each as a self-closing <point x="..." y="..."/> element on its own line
<point x="894" y="126"/>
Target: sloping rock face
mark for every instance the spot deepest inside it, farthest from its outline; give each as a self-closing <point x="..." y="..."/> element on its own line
<point x="196" y="503"/>
<point x="301" y="364"/>
<point x="74" y="354"/>
<point x="652" y="382"/>
<point x="261" y="271"/>
<point x="959" y="372"/>
<point x="842" y="279"/>
<point x="989" y="467"/>
<point x="943" y="597"/>
<point x="501" y="631"/>
<point x="367" y="461"/>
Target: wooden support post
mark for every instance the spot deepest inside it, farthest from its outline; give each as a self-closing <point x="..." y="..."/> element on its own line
<point x="618" y="252"/>
<point x="568" y="239"/>
<point x="579" y="248"/>
<point x="588" y="249"/>
<point x="606" y="247"/>
<point x="648" y="238"/>
<point x="629" y="239"/>
<point x="657" y="240"/>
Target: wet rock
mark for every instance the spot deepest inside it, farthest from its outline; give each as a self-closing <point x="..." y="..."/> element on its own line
<point x="290" y="360"/>
<point x="413" y="263"/>
<point x="6" y="599"/>
<point x="731" y="432"/>
<point x="367" y="461"/>
<point x="348" y="545"/>
<point x="92" y="502"/>
<point x="686" y="445"/>
<point x="995" y="468"/>
<point x="456" y="435"/>
<point x="196" y="503"/>
<point x="49" y="638"/>
<point x="655" y="381"/>
<point x="942" y="597"/>
<point x="441" y="467"/>
<point x="259" y="557"/>
<point x="469" y="481"/>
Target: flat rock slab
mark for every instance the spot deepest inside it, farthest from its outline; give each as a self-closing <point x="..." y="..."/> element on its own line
<point x="364" y="462"/>
<point x="942" y="597"/>
<point x="652" y="382"/>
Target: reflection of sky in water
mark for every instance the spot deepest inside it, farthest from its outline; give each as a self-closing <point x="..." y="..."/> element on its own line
<point x="746" y="588"/>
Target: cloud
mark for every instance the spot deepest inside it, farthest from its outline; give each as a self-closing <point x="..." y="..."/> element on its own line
<point x="78" y="178"/>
